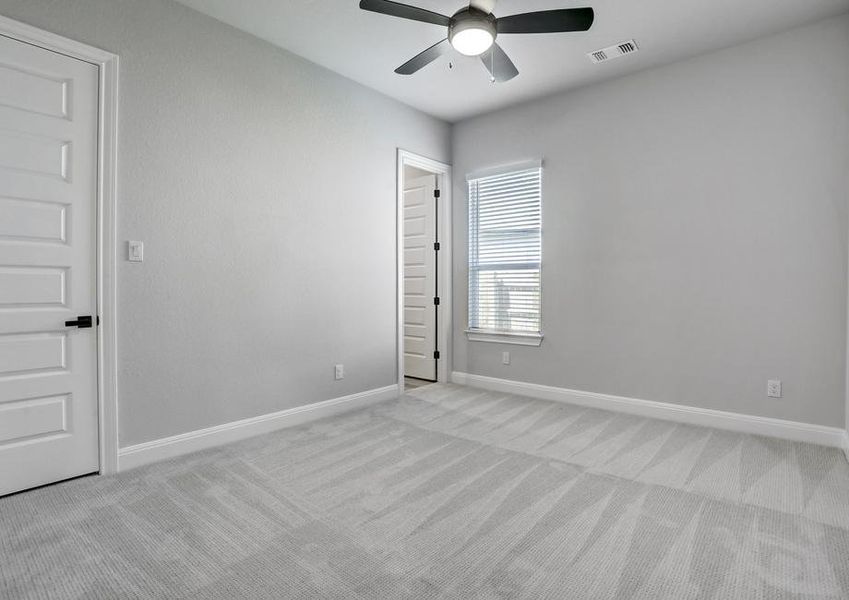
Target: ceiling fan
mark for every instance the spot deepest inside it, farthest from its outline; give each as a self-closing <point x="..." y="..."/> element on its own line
<point x="472" y="31"/>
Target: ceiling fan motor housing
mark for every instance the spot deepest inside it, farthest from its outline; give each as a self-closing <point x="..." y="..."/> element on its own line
<point x="468" y="19"/>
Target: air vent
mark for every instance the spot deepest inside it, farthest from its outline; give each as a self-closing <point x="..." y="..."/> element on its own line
<point x="615" y="51"/>
<point x="627" y="47"/>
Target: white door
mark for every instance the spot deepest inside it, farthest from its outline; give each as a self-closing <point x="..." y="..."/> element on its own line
<point x="420" y="278"/>
<point x="48" y="190"/>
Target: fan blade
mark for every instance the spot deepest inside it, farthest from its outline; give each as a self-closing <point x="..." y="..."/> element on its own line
<point x="486" y="6"/>
<point x="547" y="21"/>
<point x="499" y="64"/>
<point x="396" y="9"/>
<point x="423" y="58"/>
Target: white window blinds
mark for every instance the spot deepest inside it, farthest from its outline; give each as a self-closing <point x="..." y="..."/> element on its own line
<point x="505" y="252"/>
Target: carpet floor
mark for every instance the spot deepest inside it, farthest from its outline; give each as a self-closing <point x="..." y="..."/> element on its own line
<point x="448" y="492"/>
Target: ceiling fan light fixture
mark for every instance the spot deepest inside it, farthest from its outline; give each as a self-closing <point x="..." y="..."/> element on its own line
<point x="472" y="41"/>
<point x="472" y="32"/>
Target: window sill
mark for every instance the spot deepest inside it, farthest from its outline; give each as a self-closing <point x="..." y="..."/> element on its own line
<point x="520" y="339"/>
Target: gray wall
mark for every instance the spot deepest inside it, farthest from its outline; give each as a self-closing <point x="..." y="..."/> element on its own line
<point x="261" y="271"/>
<point x="694" y="229"/>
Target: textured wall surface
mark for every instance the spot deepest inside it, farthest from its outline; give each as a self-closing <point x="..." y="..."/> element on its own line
<point x="264" y="189"/>
<point x="694" y="229"/>
<point x="694" y="243"/>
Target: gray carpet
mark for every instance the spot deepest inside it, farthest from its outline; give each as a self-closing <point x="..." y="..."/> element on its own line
<point x="448" y="492"/>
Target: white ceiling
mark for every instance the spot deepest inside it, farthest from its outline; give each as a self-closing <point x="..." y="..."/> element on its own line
<point x="367" y="47"/>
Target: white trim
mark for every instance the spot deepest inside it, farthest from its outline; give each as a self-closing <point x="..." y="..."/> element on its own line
<point x="704" y="417"/>
<point x="201" y="439"/>
<point x="503" y="169"/>
<point x="444" y="261"/>
<point x="56" y="43"/>
<point x="518" y="339"/>
<point x="107" y="185"/>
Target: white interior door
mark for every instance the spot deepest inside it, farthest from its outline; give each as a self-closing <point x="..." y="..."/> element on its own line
<point x="420" y="278"/>
<point x="48" y="190"/>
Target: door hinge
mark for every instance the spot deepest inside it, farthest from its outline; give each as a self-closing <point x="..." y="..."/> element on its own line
<point x="436" y="246"/>
<point x="436" y="193"/>
<point x="436" y="354"/>
<point x="436" y="301"/>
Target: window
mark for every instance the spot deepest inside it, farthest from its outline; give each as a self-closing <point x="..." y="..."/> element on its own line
<point x="504" y="255"/>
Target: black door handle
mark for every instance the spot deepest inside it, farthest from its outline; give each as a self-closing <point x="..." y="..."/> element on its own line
<point x="81" y="322"/>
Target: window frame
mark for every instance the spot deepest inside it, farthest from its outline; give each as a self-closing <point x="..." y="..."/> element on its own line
<point x="520" y="338"/>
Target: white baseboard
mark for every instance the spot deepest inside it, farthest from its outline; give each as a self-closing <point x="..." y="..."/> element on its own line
<point x="201" y="439"/>
<point x="705" y="417"/>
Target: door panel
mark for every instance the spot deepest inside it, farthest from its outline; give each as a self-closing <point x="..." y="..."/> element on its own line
<point x="419" y="278"/>
<point x="32" y="417"/>
<point x="34" y="154"/>
<point x="48" y="192"/>
<point x="32" y="286"/>
<point x="32" y="221"/>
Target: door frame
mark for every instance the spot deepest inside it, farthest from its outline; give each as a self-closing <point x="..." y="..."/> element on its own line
<point x="106" y="242"/>
<point x="444" y="263"/>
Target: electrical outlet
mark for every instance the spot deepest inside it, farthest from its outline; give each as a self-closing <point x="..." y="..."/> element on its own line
<point x="773" y="388"/>
<point x="505" y="358"/>
<point x="340" y="372"/>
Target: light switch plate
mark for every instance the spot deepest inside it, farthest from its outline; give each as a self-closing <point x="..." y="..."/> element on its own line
<point x="135" y="251"/>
